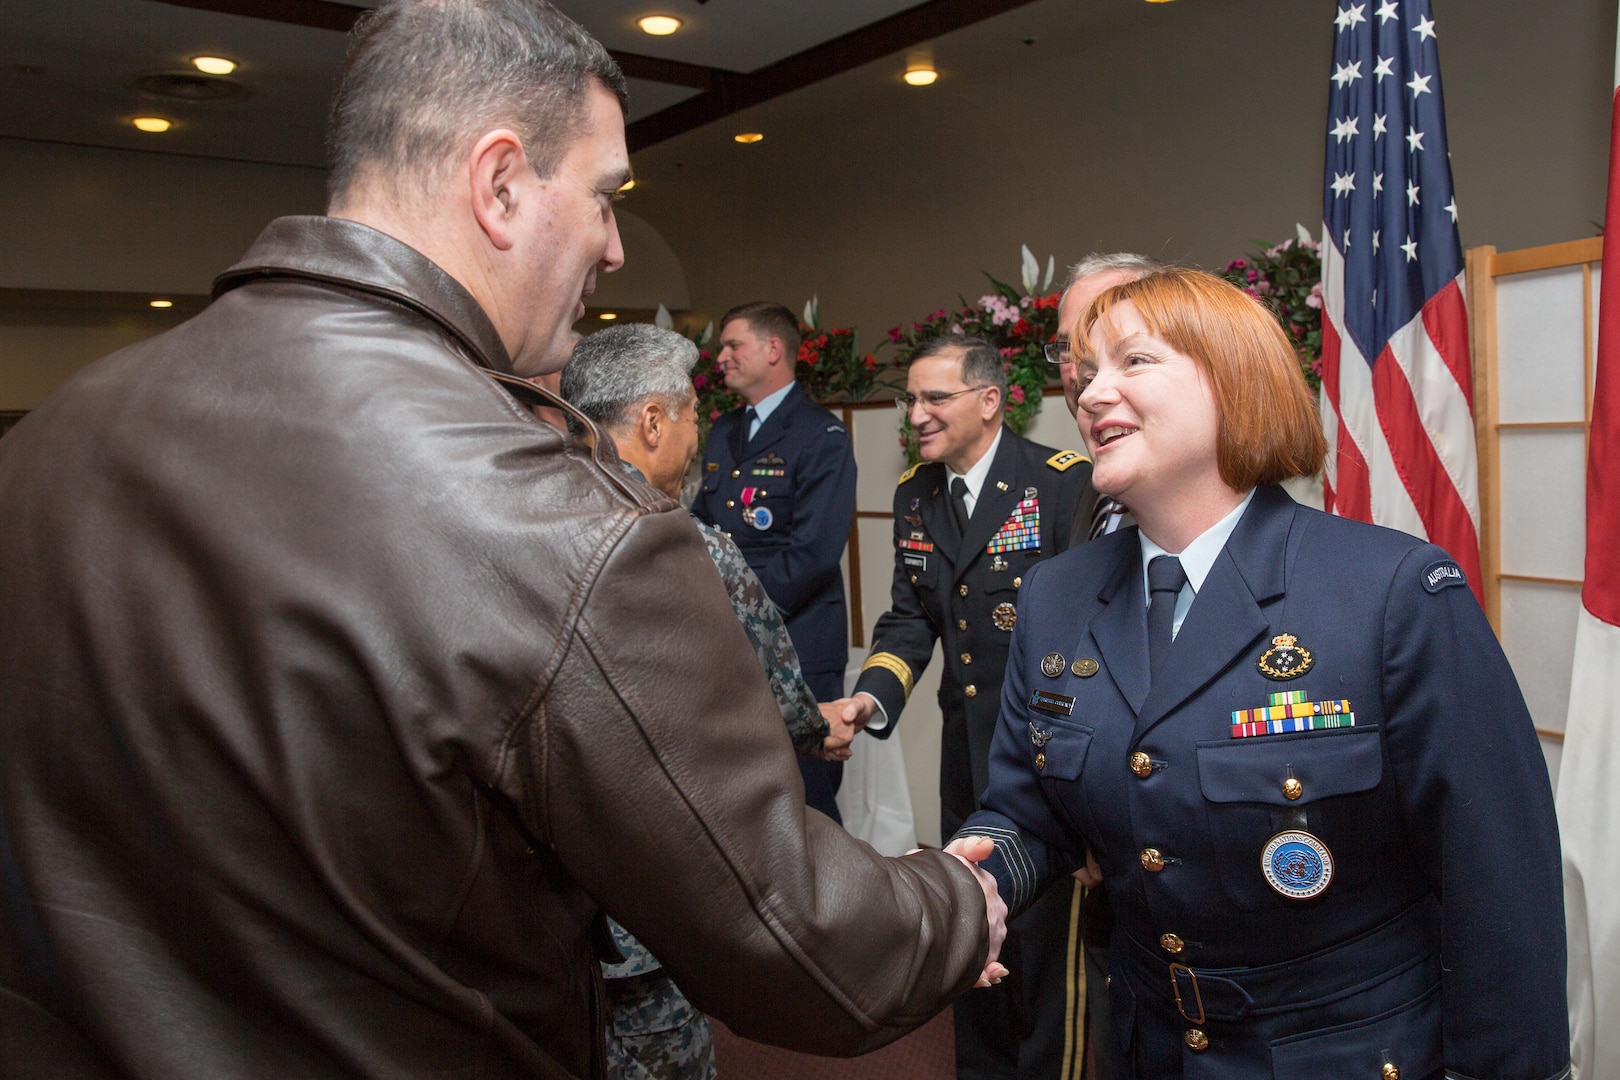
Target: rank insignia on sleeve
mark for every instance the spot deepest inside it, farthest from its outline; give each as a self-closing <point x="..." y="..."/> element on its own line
<point x="1052" y="665"/>
<point x="1065" y="460"/>
<point x="1286" y="659"/>
<point x="1005" y="616"/>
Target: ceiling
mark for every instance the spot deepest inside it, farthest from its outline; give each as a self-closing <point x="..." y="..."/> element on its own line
<point x="68" y="70"/>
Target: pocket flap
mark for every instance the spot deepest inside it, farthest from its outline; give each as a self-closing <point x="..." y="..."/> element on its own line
<point x="1334" y="762"/>
<point x="1063" y="742"/>
<point x="1410" y="1037"/>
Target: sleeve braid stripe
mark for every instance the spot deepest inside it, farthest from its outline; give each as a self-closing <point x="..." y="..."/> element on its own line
<point x="894" y="666"/>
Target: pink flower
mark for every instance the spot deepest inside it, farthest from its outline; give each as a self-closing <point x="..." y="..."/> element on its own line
<point x="1017" y="395"/>
<point x="1235" y="264"/>
<point x="1253" y="275"/>
<point x="714" y="414"/>
<point x="894" y="334"/>
<point x="1007" y="353"/>
<point x="700" y="381"/>
<point x="1314" y="300"/>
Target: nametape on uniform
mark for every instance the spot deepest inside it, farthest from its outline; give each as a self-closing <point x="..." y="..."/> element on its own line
<point x="1288" y="712"/>
<point x="1066" y="459"/>
<point x="916" y="562"/>
<point x="1442" y="575"/>
<point x="1046" y="701"/>
<point x="1021" y="530"/>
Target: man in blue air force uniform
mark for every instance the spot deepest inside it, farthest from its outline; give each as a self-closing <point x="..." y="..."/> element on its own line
<point x="779" y="479"/>
<point x="959" y="560"/>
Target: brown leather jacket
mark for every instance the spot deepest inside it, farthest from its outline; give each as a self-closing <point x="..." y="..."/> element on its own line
<point x="337" y="693"/>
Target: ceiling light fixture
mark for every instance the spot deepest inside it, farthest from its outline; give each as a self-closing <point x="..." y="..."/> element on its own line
<point x="214" y="65"/>
<point x="153" y="124"/>
<point x="749" y="137"/>
<point x="659" y="25"/>
<point x="608" y="316"/>
<point x="160" y="303"/>
<point x="921" y="76"/>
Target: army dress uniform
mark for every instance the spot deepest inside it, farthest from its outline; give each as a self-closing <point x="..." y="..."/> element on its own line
<point x="1325" y="826"/>
<point x="963" y="592"/>
<point x="786" y="498"/>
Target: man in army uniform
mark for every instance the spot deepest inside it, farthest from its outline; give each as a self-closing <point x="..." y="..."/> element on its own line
<point x="969" y="522"/>
<point x="779" y="479"/>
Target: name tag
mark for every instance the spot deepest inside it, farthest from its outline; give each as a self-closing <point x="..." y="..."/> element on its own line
<point x="920" y="562"/>
<point x="1046" y="701"/>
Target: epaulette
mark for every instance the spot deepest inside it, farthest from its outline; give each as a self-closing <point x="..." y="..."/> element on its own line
<point x="1064" y="460"/>
<point x="908" y="474"/>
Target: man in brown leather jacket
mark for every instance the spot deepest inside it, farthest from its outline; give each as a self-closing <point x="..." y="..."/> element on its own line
<point x="339" y="696"/>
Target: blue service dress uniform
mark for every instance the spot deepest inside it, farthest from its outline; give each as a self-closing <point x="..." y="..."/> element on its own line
<point x="1367" y="883"/>
<point x="962" y="591"/>
<point x="786" y="498"/>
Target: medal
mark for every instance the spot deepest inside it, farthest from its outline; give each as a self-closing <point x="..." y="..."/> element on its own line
<point x="1005" y="616"/>
<point x="1297" y="865"/>
<point x="1286" y="659"/>
<point x="760" y="518"/>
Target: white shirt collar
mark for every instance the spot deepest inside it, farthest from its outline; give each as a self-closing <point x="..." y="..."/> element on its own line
<point x="1197" y="558"/>
<point x="975" y="476"/>
<point x="767" y="406"/>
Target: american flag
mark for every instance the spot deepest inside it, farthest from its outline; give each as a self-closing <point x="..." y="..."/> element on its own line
<point x="1398" y="388"/>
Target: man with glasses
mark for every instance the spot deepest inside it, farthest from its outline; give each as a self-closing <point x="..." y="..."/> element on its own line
<point x="983" y="507"/>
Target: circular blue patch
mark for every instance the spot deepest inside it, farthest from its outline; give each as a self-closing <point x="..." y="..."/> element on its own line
<point x="760" y="518"/>
<point x="1297" y="865"/>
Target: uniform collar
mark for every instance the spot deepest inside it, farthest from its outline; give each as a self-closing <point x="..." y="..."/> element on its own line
<point x="769" y="404"/>
<point x="975" y="476"/>
<point x="1198" y="557"/>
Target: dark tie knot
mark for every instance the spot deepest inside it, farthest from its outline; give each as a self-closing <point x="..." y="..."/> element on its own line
<point x="1166" y="575"/>
<point x="959" y="488"/>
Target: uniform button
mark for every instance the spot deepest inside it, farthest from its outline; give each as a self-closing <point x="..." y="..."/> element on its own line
<point x="970" y="690"/>
<point x="913" y="576"/>
<point x="961" y="624"/>
<point x="1152" y="860"/>
<point x="1391" y="1072"/>
<point x="962" y="590"/>
<point x="1292" y="789"/>
<point x="1196" y="1039"/>
<point x="736" y="472"/>
<point x="730" y="503"/>
<point x="967" y="658"/>
<point x="1017" y="581"/>
<point x="1108" y="981"/>
<point x="1141" y="765"/>
<point x="1171" y="943"/>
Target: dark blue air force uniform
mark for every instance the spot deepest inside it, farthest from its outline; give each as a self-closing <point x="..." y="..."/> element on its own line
<point x="787" y="499"/>
<point x="961" y="590"/>
<point x="1372" y="899"/>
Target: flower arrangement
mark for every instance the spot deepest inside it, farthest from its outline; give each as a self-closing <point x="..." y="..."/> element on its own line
<point x="1018" y="322"/>
<point x="831" y="366"/>
<point x="1287" y="278"/>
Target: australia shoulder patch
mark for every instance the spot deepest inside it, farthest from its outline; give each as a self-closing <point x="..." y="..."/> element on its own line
<point x="1064" y="460"/>
<point x="838" y="428"/>
<point x="1443" y="575"/>
<point x="908" y="474"/>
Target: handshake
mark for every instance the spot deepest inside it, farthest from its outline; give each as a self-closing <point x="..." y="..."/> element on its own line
<point x="845" y="718"/>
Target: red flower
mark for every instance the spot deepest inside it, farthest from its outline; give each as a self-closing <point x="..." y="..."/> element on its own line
<point x="871" y="361"/>
<point x="1017" y="395"/>
<point x="1020" y="328"/>
<point x="714" y="414"/>
<point x="700" y="381"/>
<point x="894" y="334"/>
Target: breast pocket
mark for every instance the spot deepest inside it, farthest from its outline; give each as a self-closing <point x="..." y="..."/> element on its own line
<point x="1320" y="783"/>
<point x="1057" y="750"/>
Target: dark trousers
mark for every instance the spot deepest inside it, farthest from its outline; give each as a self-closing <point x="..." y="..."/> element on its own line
<point x="1030" y="1026"/>
<point x="821" y="778"/>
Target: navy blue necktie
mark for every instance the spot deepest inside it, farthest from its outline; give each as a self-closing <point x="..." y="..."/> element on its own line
<point x="749" y="416"/>
<point x="1165" y="579"/>
<point x="959" y="505"/>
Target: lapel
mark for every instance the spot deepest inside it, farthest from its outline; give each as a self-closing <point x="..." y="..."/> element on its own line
<point x="1226" y="619"/>
<point x="992" y="507"/>
<point x="1120" y="629"/>
<point x="775" y="427"/>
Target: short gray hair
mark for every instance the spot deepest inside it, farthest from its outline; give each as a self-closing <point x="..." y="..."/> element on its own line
<point x="614" y="370"/>
<point x="424" y="78"/>
<point x="982" y="364"/>
<point x="1125" y="262"/>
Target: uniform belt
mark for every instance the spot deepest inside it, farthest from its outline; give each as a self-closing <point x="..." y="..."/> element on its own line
<point x="1201" y="994"/>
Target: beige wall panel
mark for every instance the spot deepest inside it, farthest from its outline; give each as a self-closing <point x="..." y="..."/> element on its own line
<point x="1543" y="500"/>
<point x="1540" y="346"/>
<point x="1538" y="635"/>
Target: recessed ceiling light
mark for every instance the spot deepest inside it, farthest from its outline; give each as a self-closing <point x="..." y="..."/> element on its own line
<point x="608" y="316"/>
<point x="160" y="303"/>
<point x="153" y="124"/>
<point x="921" y="76"/>
<point x="214" y="65"/>
<point x="659" y="25"/>
<point x="749" y="137"/>
<point x="628" y="184"/>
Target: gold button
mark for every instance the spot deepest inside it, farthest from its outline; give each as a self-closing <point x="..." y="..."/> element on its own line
<point x="730" y="503"/>
<point x="1152" y="860"/>
<point x="1108" y="981"/>
<point x="961" y="624"/>
<point x="1292" y="789"/>
<point x="913" y="576"/>
<point x="970" y="690"/>
<point x="736" y="472"/>
<point x="962" y="589"/>
<point x="967" y="658"/>
<point x="1017" y="581"/>
<point x="1141" y="764"/>
<point x="1197" y="1039"/>
<point x="1391" y="1072"/>
<point x="1171" y="943"/>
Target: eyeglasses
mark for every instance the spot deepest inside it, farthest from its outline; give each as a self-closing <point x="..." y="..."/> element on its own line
<point x="1057" y="350"/>
<point x="931" y="399"/>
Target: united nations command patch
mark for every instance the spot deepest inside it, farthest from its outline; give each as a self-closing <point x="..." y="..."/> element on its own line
<point x="1297" y="865"/>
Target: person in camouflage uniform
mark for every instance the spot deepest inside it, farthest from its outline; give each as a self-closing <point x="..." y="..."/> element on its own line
<point x="634" y="381"/>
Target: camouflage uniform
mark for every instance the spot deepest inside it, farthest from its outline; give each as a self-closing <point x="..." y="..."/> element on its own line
<point x="653" y="1032"/>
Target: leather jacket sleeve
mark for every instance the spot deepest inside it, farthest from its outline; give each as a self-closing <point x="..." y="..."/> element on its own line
<point x="670" y="794"/>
